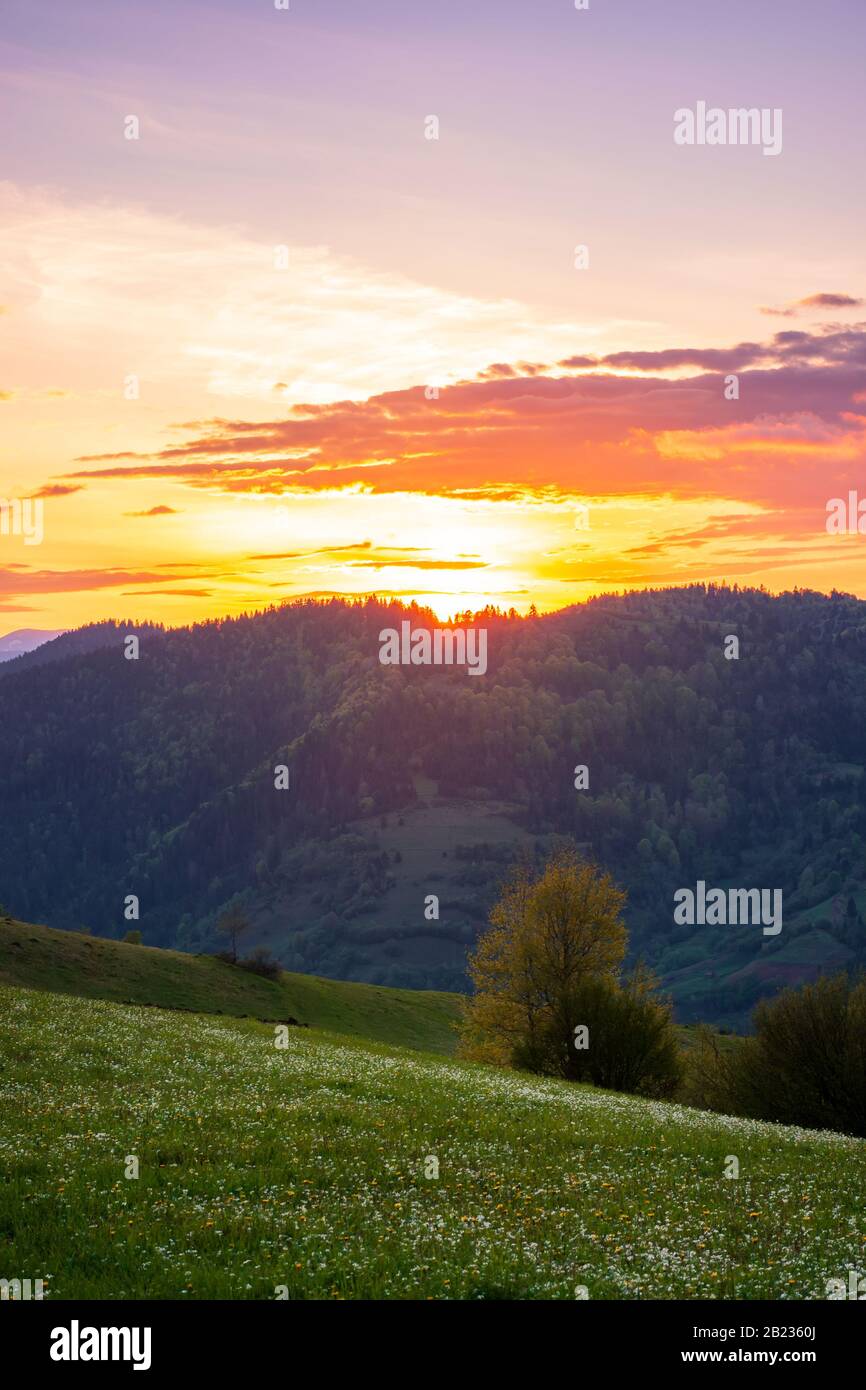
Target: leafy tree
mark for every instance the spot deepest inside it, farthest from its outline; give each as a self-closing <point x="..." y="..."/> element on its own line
<point x="234" y="924"/>
<point x="548" y="935"/>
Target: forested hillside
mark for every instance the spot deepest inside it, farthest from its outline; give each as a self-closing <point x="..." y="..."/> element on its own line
<point x="155" y="777"/>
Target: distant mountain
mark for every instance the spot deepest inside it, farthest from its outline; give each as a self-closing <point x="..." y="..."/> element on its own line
<point x="25" y="639"/>
<point x="58" y="646"/>
<point x="412" y="788"/>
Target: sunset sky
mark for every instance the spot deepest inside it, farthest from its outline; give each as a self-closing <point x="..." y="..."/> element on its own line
<point x="287" y="438"/>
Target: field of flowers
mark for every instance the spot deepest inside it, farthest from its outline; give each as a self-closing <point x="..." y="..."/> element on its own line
<point x="338" y="1169"/>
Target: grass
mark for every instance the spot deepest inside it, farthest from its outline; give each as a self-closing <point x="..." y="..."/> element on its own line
<point x="96" y="968"/>
<point x="310" y="1168"/>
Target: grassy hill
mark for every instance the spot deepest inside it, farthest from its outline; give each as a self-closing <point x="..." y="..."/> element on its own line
<point x="95" y="968"/>
<point x="337" y="1169"/>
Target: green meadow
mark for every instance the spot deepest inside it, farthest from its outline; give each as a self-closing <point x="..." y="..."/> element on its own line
<point x="98" y="968"/>
<point x="341" y="1168"/>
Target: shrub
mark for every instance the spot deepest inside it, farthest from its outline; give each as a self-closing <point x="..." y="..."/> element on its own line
<point x="632" y="1044"/>
<point x="805" y="1065"/>
<point x="708" y="1078"/>
<point x="262" y="963"/>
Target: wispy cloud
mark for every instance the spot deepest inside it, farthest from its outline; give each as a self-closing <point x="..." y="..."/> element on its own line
<point x="155" y="511"/>
<point x="627" y="428"/>
<point x="816" y="301"/>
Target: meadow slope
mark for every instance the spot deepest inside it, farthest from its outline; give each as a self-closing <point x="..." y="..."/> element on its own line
<point x="98" y="968"/>
<point x="307" y="1167"/>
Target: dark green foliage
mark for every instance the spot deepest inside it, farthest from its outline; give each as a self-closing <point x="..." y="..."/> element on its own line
<point x="156" y="777"/>
<point x="805" y="1064"/>
<point x="632" y="1042"/>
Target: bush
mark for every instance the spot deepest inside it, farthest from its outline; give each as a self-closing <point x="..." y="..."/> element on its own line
<point x="632" y="1042"/>
<point x="708" y="1078"/>
<point x="261" y="962"/>
<point x="805" y="1065"/>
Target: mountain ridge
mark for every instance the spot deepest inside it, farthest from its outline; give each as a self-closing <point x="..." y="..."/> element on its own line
<point x="24" y="640"/>
<point x="156" y="778"/>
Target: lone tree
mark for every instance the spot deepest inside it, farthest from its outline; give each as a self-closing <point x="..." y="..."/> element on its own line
<point x="548" y="995"/>
<point x="548" y="934"/>
<point x="234" y="924"/>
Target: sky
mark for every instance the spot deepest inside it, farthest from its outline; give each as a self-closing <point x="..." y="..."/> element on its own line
<point x="425" y="301"/>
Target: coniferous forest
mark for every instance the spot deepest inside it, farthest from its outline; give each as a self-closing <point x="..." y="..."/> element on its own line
<point x="155" y="778"/>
